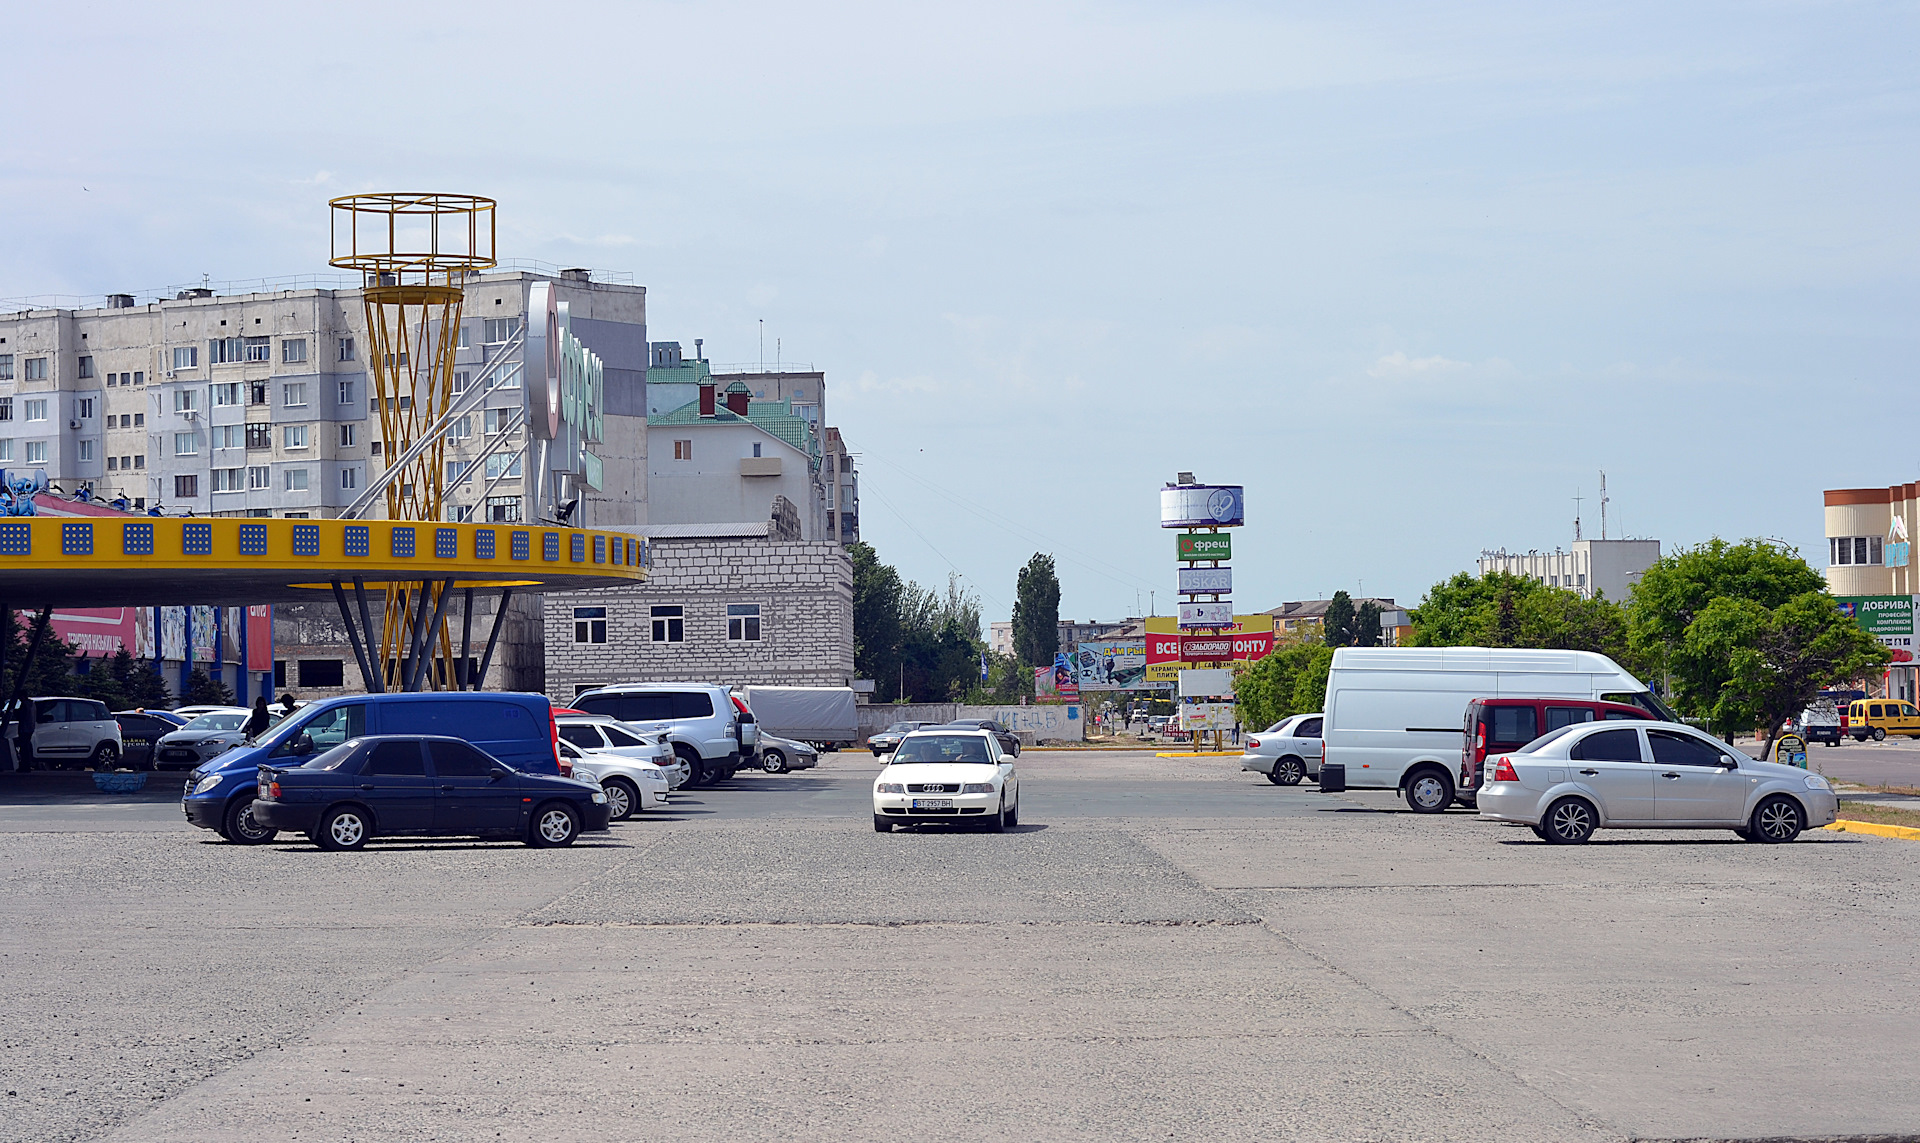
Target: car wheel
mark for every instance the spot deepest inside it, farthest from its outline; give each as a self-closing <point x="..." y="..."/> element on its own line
<point x="1013" y="812"/>
<point x="1429" y="791"/>
<point x="1287" y="772"/>
<point x="554" y="825"/>
<point x="1879" y="734"/>
<point x="998" y="822"/>
<point x="1538" y="832"/>
<point x="105" y="756"/>
<point x="773" y="762"/>
<point x="343" y="828"/>
<point x="1775" y="820"/>
<point x="696" y="769"/>
<point x="1569" y="821"/>
<point x="240" y="828"/>
<point x="881" y="825"/>
<point x="1016" y="748"/>
<point x="623" y="798"/>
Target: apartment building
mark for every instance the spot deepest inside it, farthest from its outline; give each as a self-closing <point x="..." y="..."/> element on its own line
<point x="1590" y="567"/>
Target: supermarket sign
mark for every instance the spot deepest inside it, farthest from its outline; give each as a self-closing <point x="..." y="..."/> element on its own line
<point x="1205" y="545"/>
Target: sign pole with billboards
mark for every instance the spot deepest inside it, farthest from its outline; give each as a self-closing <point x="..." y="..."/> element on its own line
<point x="1206" y="613"/>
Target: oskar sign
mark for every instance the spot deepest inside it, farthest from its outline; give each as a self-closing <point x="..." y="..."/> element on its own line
<point x="566" y="389"/>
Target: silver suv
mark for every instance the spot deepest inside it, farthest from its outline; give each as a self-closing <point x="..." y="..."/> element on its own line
<point x="67" y="732"/>
<point x="701" y="721"/>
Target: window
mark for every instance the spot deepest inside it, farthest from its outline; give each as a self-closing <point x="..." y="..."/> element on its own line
<point x="669" y="625"/>
<point x="346" y="349"/>
<point x="322" y="672"/>
<point x="458" y="760"/>
<point x="83" y="408"/>
<point x="459" y="513"/>
<point x="296" y="479"/>
<point x="1671" y="748"/>
<point x="227" y="393"/>
<point x="400" y="757"/>
<point x="228" y="480"/>
<point x="349" y="435"/>
<point x="457" y="470"/>
<point x="756" y="448"/>
<point x="259" y="349"/>
<point x="186" y="444"/>
<point x="683" y="450"/>
<point x="1559" y="716"/>
<point x="259" y="478"/>
<point x="6" y="408"/>
<point x="1854" y="550"/>
<point x="499" y="330"/>
<point x="494" y="421"/>
<point x="139" y="461"/>
<point x="225" y="350"/>
<point x="259" y="436"/>
<point x="293" y="350"/>
<point x="461" y="429"/>
<point x="1608" y="746"/>
<point x="256" y="392"/>
<point x="186" y="400"/>
<point x="743" y="623"/>
<point x="464" y="330"/>
<point x="6" y="366"/>
<point x="86" y="450"/>
<point x="346" y="393"/>
<point x="186" y="487"/>
<point x="36" y="369"/>
<point x="508" y="378"/>
<point x="139" y="419"/>
<point x="113" y="462"/>
<point x="1511" y="726"/>
<point x="461" y="380"/>
<point x="86" y="368"/>
<point x="589" y="625"/>
<point x="229" y="436"/>
<point x="36" y="452"/>
<point x="139" y="378"/>
<point x="36" y="408"/>
<point x="186" y="357"/>
<point x="349" y="478"/>
<point x="293" y="393"/>
<point x="293" y="436"/>
<point x="503" y="509"/>
<point x="403" y="361"/>
<point x="498" y="466"/>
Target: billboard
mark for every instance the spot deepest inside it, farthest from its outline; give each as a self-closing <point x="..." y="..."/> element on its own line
<point x="96" y="632"/>
<point x="1251" y="635"/>
<point x="1205" y="546"/>
<point x="1888" y="618"/>
<point x="1207" y="614"/>
<point x="1060" y="682"/>
<point x="1206" y="581"/>
<point x="1115" y="666"/>
<point x="1202" y="506"/>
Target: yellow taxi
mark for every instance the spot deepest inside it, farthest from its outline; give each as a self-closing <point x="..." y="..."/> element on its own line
<point x="1877" y="718"/>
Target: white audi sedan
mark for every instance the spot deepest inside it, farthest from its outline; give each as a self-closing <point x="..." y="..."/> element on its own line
<point x="1650" y="775"/>
<point x="947" y="775"/>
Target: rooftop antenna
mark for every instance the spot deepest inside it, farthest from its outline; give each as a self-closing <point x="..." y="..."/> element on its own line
<point x="776" y="355"/>
<point x="1603" y="503"/>
<point x="763" y="354"/>
<point x="1577" y="498"/>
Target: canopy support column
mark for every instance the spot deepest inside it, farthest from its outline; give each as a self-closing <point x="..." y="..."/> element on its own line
<point x="493" y="638"/>
<point x="353" y="636"/>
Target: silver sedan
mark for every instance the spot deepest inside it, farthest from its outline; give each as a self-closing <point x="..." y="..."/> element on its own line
<point x="1287" y="751"/>
<point x="1651" y="775"/>
<point x="778" y="755"/>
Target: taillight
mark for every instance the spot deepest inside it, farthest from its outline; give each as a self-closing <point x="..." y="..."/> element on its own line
<point x="1480" y="743"/>
<point x="273" y="789"/>
<point x="1253" y="744"/>
<point x="559" y="760"/>
<point x="1503" y="771"/>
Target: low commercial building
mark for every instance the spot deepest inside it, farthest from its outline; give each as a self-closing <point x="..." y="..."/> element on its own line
<point x="1870" y="571"/>
<point x="727" y="603"/>
<point x="1591" y="567"/>
<point x="1308" y="617"/>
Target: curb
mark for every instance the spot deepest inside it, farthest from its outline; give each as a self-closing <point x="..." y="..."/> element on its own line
<point x="1904" y="833"/>
<point x="1199" y="754"/>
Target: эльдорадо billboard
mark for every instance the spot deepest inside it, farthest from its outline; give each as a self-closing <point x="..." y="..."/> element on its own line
<point x="1252" y="637"/>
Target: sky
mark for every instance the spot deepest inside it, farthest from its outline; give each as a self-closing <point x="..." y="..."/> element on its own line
<point x="1414" y="275"/>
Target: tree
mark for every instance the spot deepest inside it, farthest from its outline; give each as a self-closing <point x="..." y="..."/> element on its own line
<point x="203" y="688"/>
<point x="876" y="621"/>
<point x="1036" y="612"/>
<point x="1747" y="632"/>
<point x="1504" y="610"/>
<point x="1366" y="624"/>
<point x="1337" y="626"/>
<point x="1290" y="680"/>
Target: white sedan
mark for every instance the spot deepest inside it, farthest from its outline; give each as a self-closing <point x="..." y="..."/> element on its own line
<point x="947" y="776"/>
<point x="632" y="786"/>
<point x="1287" y="751"/>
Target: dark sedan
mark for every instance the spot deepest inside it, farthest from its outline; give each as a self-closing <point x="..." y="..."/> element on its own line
<point x="888" y="740"/>
<point x="1009" y="741"/>
<point x="396" y="785"/>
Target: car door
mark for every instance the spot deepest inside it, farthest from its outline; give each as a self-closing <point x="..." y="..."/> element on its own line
<point x="1692" y="781"/>
<point x="1612" y="764"/>
<point x="53" y="731"/>
<point x="1906" y="719"/>
<point x="1304" y="739"/>
<point x="1009" y="780"/>
<point x="468" y="797"/>
<point x="394" y="782"/>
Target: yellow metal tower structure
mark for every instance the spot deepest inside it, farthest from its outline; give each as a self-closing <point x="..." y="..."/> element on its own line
<point x="414" y="253"/>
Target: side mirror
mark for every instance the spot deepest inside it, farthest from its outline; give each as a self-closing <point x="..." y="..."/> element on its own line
<point x="301" y="744"/>
<point x="498" y="772"/>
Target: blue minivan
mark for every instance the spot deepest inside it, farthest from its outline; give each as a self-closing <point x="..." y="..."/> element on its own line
<point x="515" y="728"/>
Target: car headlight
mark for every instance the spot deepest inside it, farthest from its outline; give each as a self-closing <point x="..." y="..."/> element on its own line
<point x="1816" y="782"/>
<point x="599" y="797"/>
<point x="207" y="783"/>
<point x="889" y="788"/>
<point x="977" y="788"/>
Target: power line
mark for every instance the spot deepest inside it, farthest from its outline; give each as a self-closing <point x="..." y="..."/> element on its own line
<point x="955" y="568"/>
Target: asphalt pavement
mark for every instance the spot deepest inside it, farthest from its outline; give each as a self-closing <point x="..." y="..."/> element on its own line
<point x="1164" y="949"/>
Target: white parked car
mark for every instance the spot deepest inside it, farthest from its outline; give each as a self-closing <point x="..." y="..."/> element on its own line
<point x="1649" y="775"/>
<point x="1287" y="751"/>
<point x="947" y="775"/>
<point x="778" y="755"/>
<point x="631" y="786"/>
<point x="598" y="732"/>
<point x="68" y="732"/>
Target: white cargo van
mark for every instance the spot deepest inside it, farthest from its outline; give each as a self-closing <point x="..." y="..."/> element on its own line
<point x="1395" y="715"/>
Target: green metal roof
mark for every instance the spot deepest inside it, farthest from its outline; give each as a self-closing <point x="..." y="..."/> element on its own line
<point x="769" y="416"/>
<point x="686" y="373"/>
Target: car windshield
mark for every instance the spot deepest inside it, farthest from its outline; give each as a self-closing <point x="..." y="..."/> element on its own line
<point x="331" y="759"/>
<point x="943" y="748"/>
<point x="1550" y="736"/>
<point x="210" y="723"/>
<point x="900" y="728"/>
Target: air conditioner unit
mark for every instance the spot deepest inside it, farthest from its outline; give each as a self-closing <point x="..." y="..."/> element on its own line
<point x="73" y="424"/>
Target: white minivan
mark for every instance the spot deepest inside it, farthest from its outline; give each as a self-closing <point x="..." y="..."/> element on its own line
<point x="1395" y="716"/>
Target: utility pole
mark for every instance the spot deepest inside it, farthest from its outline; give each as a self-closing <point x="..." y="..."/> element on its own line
<point x="1577" y="498"/>
<point x="1603" y="503"/>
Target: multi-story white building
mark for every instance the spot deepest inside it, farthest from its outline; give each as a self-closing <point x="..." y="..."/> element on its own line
<point x="1591" y="567"/>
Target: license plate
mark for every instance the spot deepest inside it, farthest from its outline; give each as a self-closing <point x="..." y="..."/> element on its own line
<point x="933" y="803"/>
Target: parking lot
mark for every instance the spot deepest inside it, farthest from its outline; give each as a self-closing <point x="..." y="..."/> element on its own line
<point x="1164" y="949"/>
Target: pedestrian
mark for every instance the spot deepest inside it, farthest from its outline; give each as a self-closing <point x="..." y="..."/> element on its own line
<point x="287" y="703"/>
<point x="259" y="720"/>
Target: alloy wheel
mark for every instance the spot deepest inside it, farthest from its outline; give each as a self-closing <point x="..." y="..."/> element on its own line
<point x="619" y="802"/>
<point x="347" y="830"/>
<point x="556" y="826"/>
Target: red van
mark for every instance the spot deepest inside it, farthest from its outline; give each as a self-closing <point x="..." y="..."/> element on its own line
<point x="1503" y="725"/>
